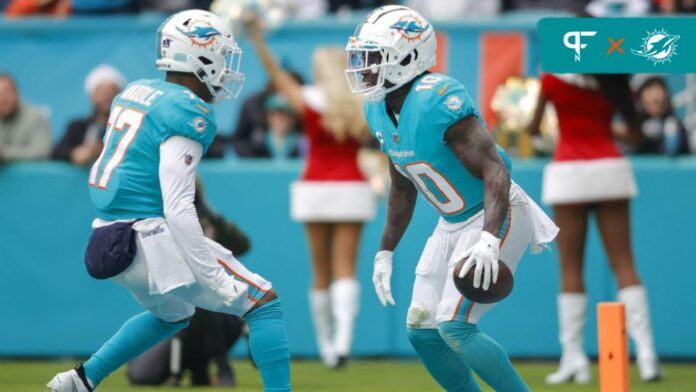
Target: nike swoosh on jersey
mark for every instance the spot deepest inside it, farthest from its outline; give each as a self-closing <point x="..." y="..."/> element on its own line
<point x="443" y="89"/>
<point x="204" y="110"/>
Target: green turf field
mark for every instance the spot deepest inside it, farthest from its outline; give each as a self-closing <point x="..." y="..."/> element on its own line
<point x="382" y="376"/>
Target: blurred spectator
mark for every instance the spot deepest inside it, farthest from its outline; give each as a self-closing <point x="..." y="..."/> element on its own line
<point x="616" y="8"/>
<point x="249" y="134"/>
<point x="343" y="5"/>
<point x="282" y="136"/>
<point x="82" y="141"/>
<point x="675" y="6"/>
<point x="454" y="9"/>
<point x="25" y="133"/>
<point x="273" y="13"/>
<point x="104" y="7"/>
<point x="249" y="137"/>
<point x="172" y="6"/>
<point x="21" y="8"/>
<point x="298" y="9"/>
<point x="663" y="132"/>
<point x="572" y="6"/>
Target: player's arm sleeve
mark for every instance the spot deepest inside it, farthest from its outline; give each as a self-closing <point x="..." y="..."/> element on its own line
<point x="179" y="158"/>
<point x="452" y="105"/>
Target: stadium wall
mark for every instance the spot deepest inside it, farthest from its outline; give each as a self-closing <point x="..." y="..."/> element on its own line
<point x="50" y="307"/>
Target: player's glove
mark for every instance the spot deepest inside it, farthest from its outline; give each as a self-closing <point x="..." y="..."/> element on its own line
<point x="484" y="256"/>
<point x="231" y="290"/>
<point x="381" y="276"/>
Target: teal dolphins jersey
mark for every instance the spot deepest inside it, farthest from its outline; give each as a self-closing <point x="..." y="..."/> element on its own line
<point x="418" y="150"/>
<point x="124" y="181"/>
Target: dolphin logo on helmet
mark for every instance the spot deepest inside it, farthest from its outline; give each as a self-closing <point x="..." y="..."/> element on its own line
<point x="200" y="35"/>
<point x="410" y="27"/>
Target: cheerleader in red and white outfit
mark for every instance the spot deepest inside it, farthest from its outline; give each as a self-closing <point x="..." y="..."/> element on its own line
<point x="333" y="198"/>
<point x="589" y="175"/>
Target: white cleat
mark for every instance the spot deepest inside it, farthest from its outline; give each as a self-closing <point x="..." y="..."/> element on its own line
<point x="649" y="368"/>
<point x="70" y="381"/>
<point x="576" y="369"/>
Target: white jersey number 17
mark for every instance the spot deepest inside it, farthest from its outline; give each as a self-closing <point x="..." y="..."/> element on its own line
<point x="118" y="119"/>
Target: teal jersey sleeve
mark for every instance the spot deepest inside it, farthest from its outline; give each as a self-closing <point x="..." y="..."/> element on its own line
<point x="190" y="117"/>
<point x="448" y="102"/>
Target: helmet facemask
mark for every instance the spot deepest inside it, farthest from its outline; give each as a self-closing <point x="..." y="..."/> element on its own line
<point x="223" y="82"/>
<point x="376" y="70"/>
<point x="365" y="72"/>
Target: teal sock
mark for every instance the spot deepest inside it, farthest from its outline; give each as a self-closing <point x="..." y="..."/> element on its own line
<point x="486" y="357"/>
<point x="134" y="337"/>
<point x="444" y="365"/>
<point x="269" y="347"/>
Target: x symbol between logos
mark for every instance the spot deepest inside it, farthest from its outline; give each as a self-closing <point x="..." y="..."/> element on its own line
<point x="615" y="45"/>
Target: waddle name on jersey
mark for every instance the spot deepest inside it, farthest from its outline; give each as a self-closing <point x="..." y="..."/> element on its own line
<point x="144" y="95"/>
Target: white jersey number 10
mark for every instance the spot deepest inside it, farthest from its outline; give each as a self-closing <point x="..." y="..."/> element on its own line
<point x="437" y="190"/>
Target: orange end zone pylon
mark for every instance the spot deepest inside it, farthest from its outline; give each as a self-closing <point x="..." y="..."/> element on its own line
<point x="613" y="347"/>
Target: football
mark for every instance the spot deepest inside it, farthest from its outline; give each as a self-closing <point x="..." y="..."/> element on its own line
<point x="496" y="292"/>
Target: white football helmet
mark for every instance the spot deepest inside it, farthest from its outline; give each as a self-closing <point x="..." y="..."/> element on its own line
<point x="199" y="42"/>
<point x="394" y="44"/>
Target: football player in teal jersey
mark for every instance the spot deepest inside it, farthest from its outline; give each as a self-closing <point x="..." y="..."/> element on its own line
<point x="147" y="236"/>
<point x="438" y="145"/>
